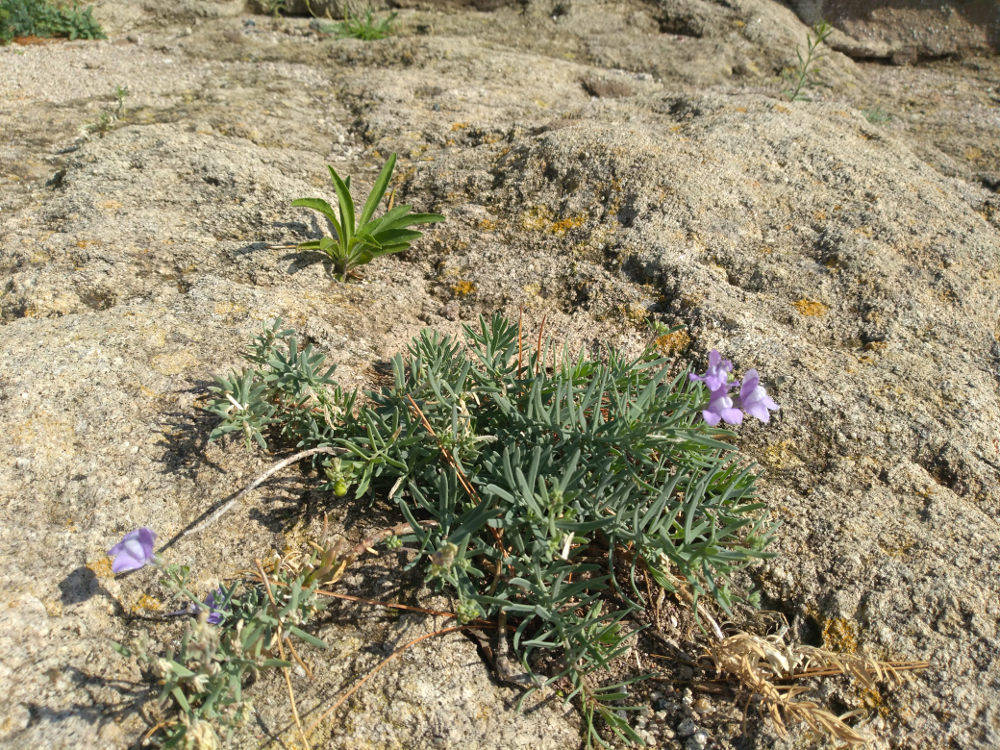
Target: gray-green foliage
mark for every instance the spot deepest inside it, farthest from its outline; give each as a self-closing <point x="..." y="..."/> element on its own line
<point x="43" y="18"/>
<point x="803" y="76"/>
<point x="582" y="479"/>
<point x="203" y="677"/>
<point x="360" y="240"/>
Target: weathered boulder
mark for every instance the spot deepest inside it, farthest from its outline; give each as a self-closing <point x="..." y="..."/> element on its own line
<point x="905" y="31"/>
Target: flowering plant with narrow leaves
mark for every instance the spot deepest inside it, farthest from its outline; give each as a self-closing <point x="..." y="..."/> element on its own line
<point x="359" y="241"/>
<point x="546" y="493"/>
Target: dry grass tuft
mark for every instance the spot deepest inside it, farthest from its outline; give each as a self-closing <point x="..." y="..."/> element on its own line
<point x="758" y="663"/>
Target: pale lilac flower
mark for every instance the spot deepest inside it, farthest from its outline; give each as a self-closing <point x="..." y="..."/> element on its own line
<point x="133" y="551"/>
<point x="754" y="399"/>
<point x="216" y="602"/>
<point x="716" y="377"/>
<point x="720" y="407"/>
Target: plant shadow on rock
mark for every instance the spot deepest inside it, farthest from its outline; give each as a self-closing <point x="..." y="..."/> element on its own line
<point x="79" y="586"/>
<point x="100" y="710"/>
<point x="184" y="436"/>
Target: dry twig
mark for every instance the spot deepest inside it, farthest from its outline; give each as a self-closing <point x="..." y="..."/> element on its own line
<point x="228" y="504"/>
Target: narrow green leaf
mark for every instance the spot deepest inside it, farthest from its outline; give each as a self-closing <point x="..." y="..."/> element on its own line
<point x="378" y="190"/>
<point x="346" y="206"/>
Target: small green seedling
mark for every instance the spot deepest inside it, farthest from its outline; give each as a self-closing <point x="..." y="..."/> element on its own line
<point x="366" y="27"/>
<point x="803" y="75"/>
<point x="274" y="7"/>
<point x="109" y="116"/>
<point x="121" y="94"/>
<point x="360" y="242"/>
<point x="876" y="115"/>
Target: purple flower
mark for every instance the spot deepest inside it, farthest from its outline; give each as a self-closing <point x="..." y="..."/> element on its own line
<point x="133" y="551"/>
<point x="720" y="407"/>
<point x="716" y="377"/>
<point x="216" y="603"/>
<point x="754" y="399"/>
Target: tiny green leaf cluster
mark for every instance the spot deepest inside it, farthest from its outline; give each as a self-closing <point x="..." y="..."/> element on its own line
<point x="366" y="25"/>
<point x="539" y="496"/>
<point x="359" y="240"/>
<point x="42" y="18"/>
<point x="803" y="75"/>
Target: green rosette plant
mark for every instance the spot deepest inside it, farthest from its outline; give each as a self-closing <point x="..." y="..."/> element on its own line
<point x="359" y="240"/>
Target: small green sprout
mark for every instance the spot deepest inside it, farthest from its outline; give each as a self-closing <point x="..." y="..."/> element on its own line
<point x="876" y="115"/>
<point x="121" y="93"/>
<point x="365" y="25"/>
<point x="357" y="242"/>
<point x="109" y="116"/>
<point x="803" y="75"/>
<point x="275" y="7"/>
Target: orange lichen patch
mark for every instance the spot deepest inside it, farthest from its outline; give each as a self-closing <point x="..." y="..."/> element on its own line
<point x="902" y="550"/>
<point x="146" y="603"/>
<point x="463" y="288"/>
<point x="174" y="363"/>
<point x="810" y="308"/>
<point x="570" y="222"/>
<point x="973" y="154"/>
<point x="819" y="215"/>
<point x="781" y="456"/>
<point x="488" y="225"/>
<point x="782" y="109"/>
<point x="101" y="567"/>
<point x="540" y="219"/>
<point x="636" y="313"/>
<point x="229" y="309"/>
<point x="840" y="635"/>
<point x="459" y="126"/>
<point x="85" y="243"/>
<point x="671" y="343"/>
<point x="872" y="700"/>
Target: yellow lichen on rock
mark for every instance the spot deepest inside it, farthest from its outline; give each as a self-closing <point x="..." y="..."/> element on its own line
<point x="840" y="635"/>
<point x="146" y="603"/>
<point x="539" y="218"/>
<point x="810" y="308"/>
<point x="174" y="363"/>
<point x="781" y="456"/>
<point x="101" y="567"/>
<point x="672" y="343"/>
